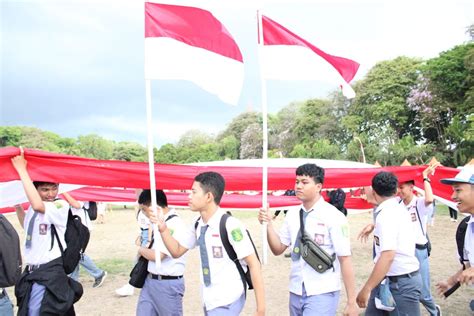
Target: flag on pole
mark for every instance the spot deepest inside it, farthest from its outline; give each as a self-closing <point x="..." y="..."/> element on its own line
<point x="187" y="43"/>
<point x="287" y="56"/>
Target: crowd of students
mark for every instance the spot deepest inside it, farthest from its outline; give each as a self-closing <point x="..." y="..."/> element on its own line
<point x="315" y="232"/>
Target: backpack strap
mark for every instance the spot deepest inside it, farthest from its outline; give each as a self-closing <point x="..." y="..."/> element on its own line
<point x="230" y="250"/>
<point x="460" y="238"/>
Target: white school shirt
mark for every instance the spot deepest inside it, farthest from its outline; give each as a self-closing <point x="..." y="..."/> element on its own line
<point x="329" y="229"/>
<point x="180" y="231"/>
<point x="226" y="285"/>
<point x="469" y="243"/>
<point x="143" y="220"/>
<point x="55" y="213"/>
<point x="393" y="231"/>
<point x="424" y="211"/>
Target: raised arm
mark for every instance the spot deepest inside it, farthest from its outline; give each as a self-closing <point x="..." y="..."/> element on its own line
<point x="72" y="201"/>
<point x="429" y="198"/>
<point x="274" y="241"/>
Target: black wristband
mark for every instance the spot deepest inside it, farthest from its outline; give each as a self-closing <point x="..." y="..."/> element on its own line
<point x="427" y="180"/>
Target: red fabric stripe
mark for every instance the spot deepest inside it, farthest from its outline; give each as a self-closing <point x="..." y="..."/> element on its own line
<point x="276" y="34"/>
<point x="193" y="26"/>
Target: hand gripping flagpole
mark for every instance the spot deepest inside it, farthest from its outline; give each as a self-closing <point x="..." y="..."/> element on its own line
<point x="265" y="139"/>
<point x="151" y="167"/>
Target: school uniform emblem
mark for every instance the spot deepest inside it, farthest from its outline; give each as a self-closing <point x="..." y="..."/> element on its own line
<point x="319" y="239"/>
<point x="413" y="217"/>
<point x="345" y="231"/>
<point x="43" y="229"/>
<point x="237" y="234"/>
<point x="217" y="251"/>
<point x="376" y="239"/>
<point x="171" y="232"/>
<point x="58" y="204"/>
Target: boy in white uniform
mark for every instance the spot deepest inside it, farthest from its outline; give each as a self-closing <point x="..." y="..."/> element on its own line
<point x="420" y="210"/>
<point x="99" y="275"/>
<point x="394" y="243"/>
<point x="222" y="290"/>
<point x="311" y="292"/>
<point x="162" y="293"/>
<point x="463" y="195"/>
<point x="44" y="286"/>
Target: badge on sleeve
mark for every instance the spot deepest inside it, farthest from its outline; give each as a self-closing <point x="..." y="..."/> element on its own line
<point x="217" y="251"/>
<point x="237" y="234"/>
<point x="58" y="204"/>
<point x="43" y="229"/>
<point x="171" y="231"/>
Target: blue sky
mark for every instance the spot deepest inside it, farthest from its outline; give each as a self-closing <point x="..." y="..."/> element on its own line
<point x="76" y="67"/>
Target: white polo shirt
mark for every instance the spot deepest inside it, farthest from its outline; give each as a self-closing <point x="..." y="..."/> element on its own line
<point x="394" y="231"/>
<point x="469" y="243"/>
<point x="180" y="231"/>
<point x="55" y="213"/>
<point x="418" y="203"/>
<point x="329" y="229"/>
<point x="143" y="221"/>
<point x="226" y="285"/>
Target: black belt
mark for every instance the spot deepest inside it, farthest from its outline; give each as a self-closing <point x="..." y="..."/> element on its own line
<point x="165" y="277"/>
<point x="408" y="275"/>
<point x="421" y="247"/>
<point x="144" y="229"/>
<point x="3" y="294"/>
<point x="32" y="267"/>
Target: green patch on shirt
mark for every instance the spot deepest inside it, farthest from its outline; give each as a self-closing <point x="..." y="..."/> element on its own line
<point x="237" y="234"/>
<point x="205" y="271"/>
<point x="345" y="231"/>
<point x="171" y="232"/>
<point x="58" y="204"/>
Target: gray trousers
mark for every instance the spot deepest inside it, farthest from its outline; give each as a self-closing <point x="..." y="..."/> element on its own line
<point x="406" y="291"/>
<point x="161" y="298"/>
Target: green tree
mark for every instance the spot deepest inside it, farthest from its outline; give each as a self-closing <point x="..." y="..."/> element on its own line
<point x="94" y="146"/>
<point x="129" y="151"/>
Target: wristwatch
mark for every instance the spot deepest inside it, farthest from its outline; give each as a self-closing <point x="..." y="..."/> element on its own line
<point x="427" y="180"/>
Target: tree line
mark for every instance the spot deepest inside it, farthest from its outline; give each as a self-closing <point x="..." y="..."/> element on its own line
<point x="405" y="108"/>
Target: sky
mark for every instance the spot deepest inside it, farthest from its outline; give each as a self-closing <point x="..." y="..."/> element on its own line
<point x="77" y="67"/>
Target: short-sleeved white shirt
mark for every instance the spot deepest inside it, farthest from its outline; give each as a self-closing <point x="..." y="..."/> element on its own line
<point x="180" y="231"/>
<point x="55" y="213"/>
<point x="328" y="227"/>
<point x="143" y="220"/>
<point x="226" y="285"/>
<point x="418" y="203"/>
<point x="469" y="242"/>
<point x="394" y="231"/>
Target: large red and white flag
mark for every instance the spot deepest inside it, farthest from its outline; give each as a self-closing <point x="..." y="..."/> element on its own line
<point x="187" y="43"/>
<point x="287" y="56"/>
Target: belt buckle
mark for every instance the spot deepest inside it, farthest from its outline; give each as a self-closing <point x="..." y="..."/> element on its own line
<point x="160" y="277"/>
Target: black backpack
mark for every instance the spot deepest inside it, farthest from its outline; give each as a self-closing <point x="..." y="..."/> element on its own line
<point x="460" y="237"/>
<point x="245" y="276"/>
<point x="10" y="254"/>
<point x="92" y="210"/>
<point x="76" y="237"/>
<point x="337" y="198"/>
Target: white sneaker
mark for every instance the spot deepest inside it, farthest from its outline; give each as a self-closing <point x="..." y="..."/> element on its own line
<point x="126" y="290"/>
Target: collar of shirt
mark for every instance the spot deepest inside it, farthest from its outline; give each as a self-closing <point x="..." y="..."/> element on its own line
<point x="171" y="211"/>
<point x="315" y="206"/>
<point x="471" y="220"/>
<point x="386" y="203"/>
<point x="214" y="220"/>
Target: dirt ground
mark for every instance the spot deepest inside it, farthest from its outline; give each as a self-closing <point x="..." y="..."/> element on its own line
<point x="112" y="248"/>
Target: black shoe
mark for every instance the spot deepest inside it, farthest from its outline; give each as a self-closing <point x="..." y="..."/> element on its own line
<point x="100" y="280"/>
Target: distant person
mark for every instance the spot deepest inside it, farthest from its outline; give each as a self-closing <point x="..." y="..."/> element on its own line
<point x="313" y="292"/>
<point x="337" y="198"/>
<point x="99" y="275"/>
<point x="453" y="214"/>
<point x="463" y="195"/>
<point x="101" y="206"/>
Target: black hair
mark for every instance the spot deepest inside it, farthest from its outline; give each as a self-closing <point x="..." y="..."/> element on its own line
<point x="311" y="170"/>
<point x="385" y="183"/>
<point x="212" y="182"/>
<point x="145" y="198"/>
<point x="410" y="182"/>
<point x="37" y="184"/>
<point x="337" y="198"/>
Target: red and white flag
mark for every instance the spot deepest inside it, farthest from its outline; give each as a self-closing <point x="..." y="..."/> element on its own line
<point x="187" y="43"/>
<point x="289" y="57"/>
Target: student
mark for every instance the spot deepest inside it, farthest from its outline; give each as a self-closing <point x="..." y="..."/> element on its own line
<point x="222" y="290"/>
<point x="99" y="275"/>
<point x="394" y="243"/>
<point x="6" y="306"/>
<point x="420" y="210"/>
<point x="146" y="229"/>
<point x="163" y="291"/>
<point x="44" y="286"/>
<point x="311" y="292"/>
<point x="463" y="195"/>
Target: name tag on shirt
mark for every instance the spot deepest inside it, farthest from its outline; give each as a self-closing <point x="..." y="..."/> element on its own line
<point x="43" y="229"/>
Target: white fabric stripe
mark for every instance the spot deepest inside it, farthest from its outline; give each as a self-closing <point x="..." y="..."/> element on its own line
<point x="168" y="59"/>
<point x="293" y="62"/>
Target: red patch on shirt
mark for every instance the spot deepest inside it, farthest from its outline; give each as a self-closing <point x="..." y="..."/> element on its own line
<point x="215" y="235"/>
